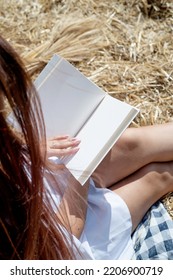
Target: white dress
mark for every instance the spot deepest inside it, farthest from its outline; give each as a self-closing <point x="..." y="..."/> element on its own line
<point x="107" y="230"/>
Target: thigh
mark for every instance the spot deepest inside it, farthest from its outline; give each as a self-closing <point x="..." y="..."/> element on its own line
<point x="125" y="157"/>
<point x="136" y="148"/>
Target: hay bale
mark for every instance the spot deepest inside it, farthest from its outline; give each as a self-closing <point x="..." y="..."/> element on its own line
<point x="156" y="9"/>
<point x="126" y="47"/>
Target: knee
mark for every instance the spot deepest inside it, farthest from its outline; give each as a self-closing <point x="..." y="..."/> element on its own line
<point x="129" y="141"/>
<point x="159" y="176"/>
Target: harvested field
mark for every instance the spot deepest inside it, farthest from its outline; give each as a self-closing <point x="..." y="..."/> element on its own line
<point x="126" y="47"/>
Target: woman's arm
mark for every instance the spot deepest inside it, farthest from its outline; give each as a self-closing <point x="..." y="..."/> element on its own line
<point x="73" y="207"/>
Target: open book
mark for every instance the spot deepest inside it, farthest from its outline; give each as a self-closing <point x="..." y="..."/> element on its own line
<point x="74" y="105"/>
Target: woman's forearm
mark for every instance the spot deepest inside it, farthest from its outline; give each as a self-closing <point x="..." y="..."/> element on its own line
<point x="73" y="207"/>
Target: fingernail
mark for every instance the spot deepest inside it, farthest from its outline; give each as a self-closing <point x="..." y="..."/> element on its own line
<point x="75" y="150"/>
<point x="75" y="139"/>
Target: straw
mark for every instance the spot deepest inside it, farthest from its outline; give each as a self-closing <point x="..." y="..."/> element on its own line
<point x="126" y="47"/>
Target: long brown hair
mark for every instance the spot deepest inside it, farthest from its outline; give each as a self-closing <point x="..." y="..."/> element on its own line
<point x="27" y="221"/>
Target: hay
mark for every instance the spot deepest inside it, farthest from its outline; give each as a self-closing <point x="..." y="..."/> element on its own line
<point x="126" y="47"/>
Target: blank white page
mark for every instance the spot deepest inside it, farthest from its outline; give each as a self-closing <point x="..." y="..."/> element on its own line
<point x="67" y="97"/>
<point x="99" y="134"/>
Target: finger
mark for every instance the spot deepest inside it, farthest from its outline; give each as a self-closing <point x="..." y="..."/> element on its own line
<point x="61" y="144"/>
<point x="68" y="152"/>
<point x="60" y="137"/>
<point x="62" y="152"/>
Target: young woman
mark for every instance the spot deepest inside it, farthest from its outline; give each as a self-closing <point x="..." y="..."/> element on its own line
<point x="44" y="212"/>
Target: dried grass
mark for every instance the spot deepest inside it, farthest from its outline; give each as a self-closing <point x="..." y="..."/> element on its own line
<point x="126" y="47"/>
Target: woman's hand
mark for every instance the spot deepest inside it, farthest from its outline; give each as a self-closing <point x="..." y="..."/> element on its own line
<point x="63" y="145"/>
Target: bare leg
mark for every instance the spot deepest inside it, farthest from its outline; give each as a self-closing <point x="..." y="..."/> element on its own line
<point x="136" y="148"/>
<point x="144" y="187"/>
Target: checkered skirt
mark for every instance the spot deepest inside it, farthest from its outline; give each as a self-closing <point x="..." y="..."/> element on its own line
<point x="153" y="238"/>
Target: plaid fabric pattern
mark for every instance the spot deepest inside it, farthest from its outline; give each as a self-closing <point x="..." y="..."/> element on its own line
<point x="153" y="238"/>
